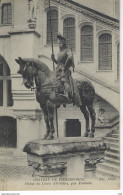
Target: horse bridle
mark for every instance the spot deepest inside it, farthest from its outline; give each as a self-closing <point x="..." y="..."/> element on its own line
<point x="46" y="85"/>
<point x="29" y="76"/>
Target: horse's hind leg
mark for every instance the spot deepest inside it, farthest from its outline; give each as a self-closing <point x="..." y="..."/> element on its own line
<point x="45" y="112"/>
<point x="86" y="115"/>
<point x="50" y="108"/>
<point x="92" y="115"/>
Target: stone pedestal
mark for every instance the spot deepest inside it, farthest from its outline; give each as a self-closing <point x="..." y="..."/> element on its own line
<point x="63" y="157"/>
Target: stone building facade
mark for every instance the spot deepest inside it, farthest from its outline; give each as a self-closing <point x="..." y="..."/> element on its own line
<point x="93" y="37"/>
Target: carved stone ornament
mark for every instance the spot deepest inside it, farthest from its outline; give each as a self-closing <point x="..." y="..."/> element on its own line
<point x="46" y="4"/>
<point x="99" y="28"/>
<point x="90" y="14"/>
<point x="28" y="117"/>
<point x="117" y="36"/>
<point x="90" y="164"/>
<point x="32" y="24"/>
<point x="50" y="169"/>
<point x="63" y="12"/>
<point x="33" y="8"/>
<point x="81" y="20"/>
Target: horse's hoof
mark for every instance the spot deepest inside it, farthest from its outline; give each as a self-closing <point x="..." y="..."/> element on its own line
<point x="50" y="137"/>
<point x="90" y="135"/>
<point x="58" y="106"/>
<point x="45" y="136"/>
<point x="85" y="135"/>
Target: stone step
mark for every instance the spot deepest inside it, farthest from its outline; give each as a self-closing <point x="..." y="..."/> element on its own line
<point x="6" y="152"/>
<point x="108" y="166"/>
<point x="114" y="135"/>
<point x="112" y="145"/>
<point x="112" y="161"/>
<point x="101" y="173"/>
<point x="112" y="155"/>
<point x="114" y="150"/>
<point x="111" y="139"/>
<point x="116" y="130"/>
<point x="5" y="158"/>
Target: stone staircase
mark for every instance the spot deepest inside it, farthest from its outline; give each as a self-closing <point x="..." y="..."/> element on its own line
<point x="110" y="168"/>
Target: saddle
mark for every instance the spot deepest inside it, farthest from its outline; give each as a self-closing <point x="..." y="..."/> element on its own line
<point x="55" y="90"/>
<point x="55" y="95"/>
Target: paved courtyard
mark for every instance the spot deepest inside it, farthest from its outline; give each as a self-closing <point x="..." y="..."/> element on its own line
<point x="12" y="168"/>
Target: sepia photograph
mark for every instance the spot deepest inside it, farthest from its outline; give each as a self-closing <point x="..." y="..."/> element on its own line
<point x="59" y="95"/>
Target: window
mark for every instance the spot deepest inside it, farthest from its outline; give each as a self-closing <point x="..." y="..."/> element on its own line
<point x="6" y="14"/>
<point x="87" y="43"/>
<point x="118" y="61"/>
<point x="69" y="32"/>
<point x="54" y="22"/>
<point x="105" y="52"/>
<point x="5" y="85"/>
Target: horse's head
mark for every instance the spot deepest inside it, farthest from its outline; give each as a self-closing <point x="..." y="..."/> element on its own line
<point x="27" y="71"/>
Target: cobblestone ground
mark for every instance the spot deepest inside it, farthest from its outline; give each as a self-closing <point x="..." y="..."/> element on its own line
<point x="13" y="169"/>
<point x="14" y="172"/>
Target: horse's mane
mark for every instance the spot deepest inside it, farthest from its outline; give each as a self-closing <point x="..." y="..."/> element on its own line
<point x="38" y="64"/>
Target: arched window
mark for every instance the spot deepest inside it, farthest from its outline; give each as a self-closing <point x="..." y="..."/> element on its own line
<point x="118" y="61"/>
<point x="87" y="43"/>
<point x="69" y="32"/>
<point x="54" y="21"/>
<point x="5" y="84"/>
<point x="105" y="52"/>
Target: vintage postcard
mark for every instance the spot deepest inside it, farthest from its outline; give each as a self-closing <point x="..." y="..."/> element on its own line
<point x="59" y="95"/>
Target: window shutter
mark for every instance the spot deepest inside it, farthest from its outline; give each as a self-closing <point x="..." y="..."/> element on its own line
<point x="87" y="43"/>
<point x="69" y="32"/>
<point x="105" y="52"/>
<point x="54" y="21"/>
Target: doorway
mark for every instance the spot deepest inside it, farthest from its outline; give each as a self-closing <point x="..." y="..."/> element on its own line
<point x="73" y="128"/>
<point x="8" y="132"/>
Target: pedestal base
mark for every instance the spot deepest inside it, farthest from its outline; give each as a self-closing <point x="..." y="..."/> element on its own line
<point x="62" y="157"/>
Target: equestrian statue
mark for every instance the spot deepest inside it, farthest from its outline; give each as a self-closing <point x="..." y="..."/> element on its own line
<point x="58" y="87"/>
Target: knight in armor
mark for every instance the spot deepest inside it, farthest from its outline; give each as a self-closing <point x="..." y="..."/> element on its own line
<point x="64" y="62"/>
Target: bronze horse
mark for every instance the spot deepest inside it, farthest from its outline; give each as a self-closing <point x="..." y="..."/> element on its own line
<point x="34" y="71"/>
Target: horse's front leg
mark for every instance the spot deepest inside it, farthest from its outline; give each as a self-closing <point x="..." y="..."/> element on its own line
<point x="92" y="115"/>
<point x="50" y="108"/>
<point x="45" y="112"/>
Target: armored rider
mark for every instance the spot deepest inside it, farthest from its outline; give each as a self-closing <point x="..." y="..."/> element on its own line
<point x="64" y="62"/>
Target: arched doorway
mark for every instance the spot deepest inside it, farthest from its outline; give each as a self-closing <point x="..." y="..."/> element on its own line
<point x="8" y="127"/>
<point x="8" y="132"/>
<point x="5" y="84"/>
